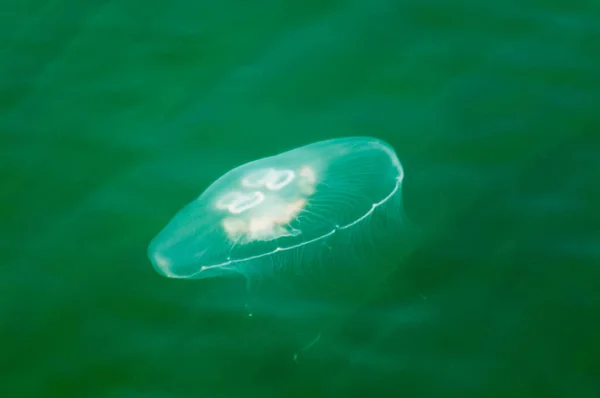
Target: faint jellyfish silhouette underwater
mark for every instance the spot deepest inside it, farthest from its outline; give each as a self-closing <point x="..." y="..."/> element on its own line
<point x="326" y="216"/>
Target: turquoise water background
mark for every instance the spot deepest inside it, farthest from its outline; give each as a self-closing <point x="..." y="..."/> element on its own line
<point x="114" y="114"/>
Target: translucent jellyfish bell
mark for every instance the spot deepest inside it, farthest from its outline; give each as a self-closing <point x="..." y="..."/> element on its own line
<point x="307" y="212"/>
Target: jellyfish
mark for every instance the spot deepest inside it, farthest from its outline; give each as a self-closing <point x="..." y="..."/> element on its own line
<point x="321" y="214"/>
<point x="313" y="231"/>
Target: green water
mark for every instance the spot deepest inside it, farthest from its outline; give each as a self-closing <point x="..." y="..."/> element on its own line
<point x="114" y="114"/>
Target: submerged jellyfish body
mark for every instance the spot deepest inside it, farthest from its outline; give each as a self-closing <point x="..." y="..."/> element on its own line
<point x="323" y="213"/>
